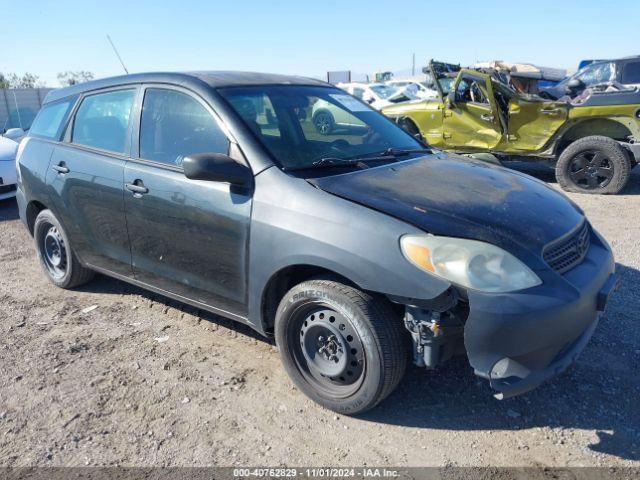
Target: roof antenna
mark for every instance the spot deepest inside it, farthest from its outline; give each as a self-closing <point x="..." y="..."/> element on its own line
<point x="117" y="54"/>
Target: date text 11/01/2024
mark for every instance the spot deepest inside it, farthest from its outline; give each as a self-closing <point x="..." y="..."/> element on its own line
<point x="316" y="472"/>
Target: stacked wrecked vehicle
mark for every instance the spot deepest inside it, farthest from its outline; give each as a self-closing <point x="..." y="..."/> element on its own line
<point x="590" y="134"/>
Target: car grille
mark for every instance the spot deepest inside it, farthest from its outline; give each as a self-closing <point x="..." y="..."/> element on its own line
<point x="7" y="188"/>
<point x="565" y="253"/>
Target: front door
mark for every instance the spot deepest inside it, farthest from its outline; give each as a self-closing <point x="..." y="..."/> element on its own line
<point x="188" y="237"/>
<point x="87" y="175"/>
<point x="471" y="122"/>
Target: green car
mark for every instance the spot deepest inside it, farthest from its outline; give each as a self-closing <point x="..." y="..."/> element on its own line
<point x="593" y="139"/>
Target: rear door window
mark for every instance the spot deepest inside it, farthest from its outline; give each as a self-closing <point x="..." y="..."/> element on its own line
<point x="102" y="120"/>
<point x="174" y="125"/>
<point x="49" y="121"/>
<point x="631" y="73"/>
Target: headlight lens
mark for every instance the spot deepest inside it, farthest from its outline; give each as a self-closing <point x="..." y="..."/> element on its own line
<point x="469" y="263"/>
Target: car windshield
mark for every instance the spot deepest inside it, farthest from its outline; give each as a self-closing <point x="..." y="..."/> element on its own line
<point x="446" y="83"/>
<point x="302" y="125"/>
<point x="383" y="91"/>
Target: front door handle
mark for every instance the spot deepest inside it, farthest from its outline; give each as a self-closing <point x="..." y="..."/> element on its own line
<point x="487" y="117"/>
<point x="552" y="111"/>
<point x="137" y="187"/>
<point x="60" y="168"/>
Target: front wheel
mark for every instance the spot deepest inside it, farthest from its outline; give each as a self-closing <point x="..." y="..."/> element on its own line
<point x="342" y="347"/>
<point x="594" y="164"/>
<point x="324" y="122"/>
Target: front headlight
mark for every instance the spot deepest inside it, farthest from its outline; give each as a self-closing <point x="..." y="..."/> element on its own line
<point x="469" y="263"/>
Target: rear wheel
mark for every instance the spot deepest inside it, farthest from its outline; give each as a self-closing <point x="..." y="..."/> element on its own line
<point x="56" y="256"/>
<point x="342" y="347"/>
<point x="593" y="164"/>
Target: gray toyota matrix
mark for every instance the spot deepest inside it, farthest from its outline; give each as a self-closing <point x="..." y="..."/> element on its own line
<point x="358" y="247"/>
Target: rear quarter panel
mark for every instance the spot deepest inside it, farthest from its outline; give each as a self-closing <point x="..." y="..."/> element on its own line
<point x="627" y="115"/>
<point x="33" y="168"/>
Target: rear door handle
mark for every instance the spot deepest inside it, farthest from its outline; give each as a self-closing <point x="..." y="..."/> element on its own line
<point x="487" y="118"/>
<point x="137" y="187"/>
<point x="551" y="111"/>
<point x="60" y="168"/>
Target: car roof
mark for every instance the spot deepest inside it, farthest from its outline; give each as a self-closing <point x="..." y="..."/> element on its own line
<point x="213" y="79"/>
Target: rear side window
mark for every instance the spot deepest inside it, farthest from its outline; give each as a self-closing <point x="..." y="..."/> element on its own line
<point x="49" y="120"/>
<point x="631" y="73"/>
<point x="175" y="125"/>
<point x="102" y="120"/>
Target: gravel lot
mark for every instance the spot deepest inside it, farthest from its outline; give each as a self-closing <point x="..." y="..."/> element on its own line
<point x="112" y="375"/>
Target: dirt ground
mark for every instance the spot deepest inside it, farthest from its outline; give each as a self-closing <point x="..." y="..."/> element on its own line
<point x="112" y="375"/>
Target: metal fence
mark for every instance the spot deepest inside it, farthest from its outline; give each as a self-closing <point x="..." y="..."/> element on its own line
<point x="18" y="106"/>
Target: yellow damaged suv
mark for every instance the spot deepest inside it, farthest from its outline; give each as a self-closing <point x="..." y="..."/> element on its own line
<point x="593" y="138"/>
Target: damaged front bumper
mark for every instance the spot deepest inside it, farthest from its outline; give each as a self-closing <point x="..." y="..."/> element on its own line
<point x="519" y="340"/>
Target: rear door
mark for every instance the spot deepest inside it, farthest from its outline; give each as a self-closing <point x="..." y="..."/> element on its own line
<point x="188" y="237"/>
<point x="472" y="121"/>
<point x="86" y="177"/>
<point x="533" y="123"/>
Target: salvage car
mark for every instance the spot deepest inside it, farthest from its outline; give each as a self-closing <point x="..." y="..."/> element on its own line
<point x="624" y="72"/>
<point x="593" y="140"/>
<point x="357" y="252"/>
<point x="8" y="148"/>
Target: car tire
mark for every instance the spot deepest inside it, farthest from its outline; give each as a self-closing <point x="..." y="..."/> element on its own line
<point x="56" y="256"/>
<point x="324" y="122"/>
<point x="344" y="348"/>
<point x="595" y="164"/>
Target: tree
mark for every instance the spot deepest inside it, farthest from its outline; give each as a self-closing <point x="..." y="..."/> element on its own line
<point x="28" y="80"/>
<point x="73" y="78"/>
<point x="4" y="82"/>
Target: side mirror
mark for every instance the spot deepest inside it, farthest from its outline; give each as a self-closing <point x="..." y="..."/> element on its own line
<point x="217" y="167"/>
<point x="451" y="97"/>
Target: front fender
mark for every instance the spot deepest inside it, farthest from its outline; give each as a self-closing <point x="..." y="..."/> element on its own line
<point x="294" y="223"/>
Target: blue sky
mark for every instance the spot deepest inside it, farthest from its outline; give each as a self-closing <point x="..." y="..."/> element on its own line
<point x="307" y="37"/>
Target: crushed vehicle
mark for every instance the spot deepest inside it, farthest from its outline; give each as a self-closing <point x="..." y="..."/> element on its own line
<point x="620" y="74"/>
<point x="523" y="77"/>
<point x="593" y="139"/>
<point x="357" y="251"/>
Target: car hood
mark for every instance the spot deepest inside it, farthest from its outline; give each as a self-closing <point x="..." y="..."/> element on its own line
<point x="461" y="197"/>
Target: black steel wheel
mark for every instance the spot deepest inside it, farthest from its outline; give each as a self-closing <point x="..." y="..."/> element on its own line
<point x="54" y="251"/>
<point x="56" y="256"/>
<point x="344" y="348"/>
<point x="593" y="164"/>
<point x="328" y="350"/>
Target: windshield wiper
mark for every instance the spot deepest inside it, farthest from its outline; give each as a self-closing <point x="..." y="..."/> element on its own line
<point x="388" y="154"/>
<point x="400" y="152"/>
<point x="333" y="161"/>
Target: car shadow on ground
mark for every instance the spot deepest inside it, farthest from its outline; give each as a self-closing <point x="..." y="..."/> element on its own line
<point x="543" y="171"/>
<point x="8" y="210"/>
<point x="600" y="392"/>
<point x="110" y="286"/>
